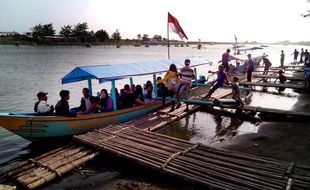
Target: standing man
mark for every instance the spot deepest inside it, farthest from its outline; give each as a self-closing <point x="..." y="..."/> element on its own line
<point x="250" y="68"/>
<point x="225" y="60"/>
<point x="267" y="64"/>
<point x="295" y="53"/>
<point x="282" y="59"/>
<point x="186" y="75"/>
<point x="302" y="53"/>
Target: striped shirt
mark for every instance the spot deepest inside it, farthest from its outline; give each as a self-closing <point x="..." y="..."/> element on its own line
<point x="186" y="74"/>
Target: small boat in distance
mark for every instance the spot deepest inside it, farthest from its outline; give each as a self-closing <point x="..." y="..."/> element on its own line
<point x="32" y="126"/>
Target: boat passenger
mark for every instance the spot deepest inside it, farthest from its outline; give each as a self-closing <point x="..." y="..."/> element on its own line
<point x="266" y="63"/>
<point x="94" y="106"/>
<point x="85" y="100"/>
<point x="41" y="107"/>
<point x="171" y="81"/>
<point x="282" y="80"/>
<point x="106" y="103"/>
<point x="186" y="76"/>
<point x="139" y="93"/>
<point x="219" y="82"/>
<point x="148" y="92"/>
<point x="62" y="106"/>
<point x="128" y="99"/>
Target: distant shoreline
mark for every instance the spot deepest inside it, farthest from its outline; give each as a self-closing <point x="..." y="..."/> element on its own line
<point x="127" y="42"/>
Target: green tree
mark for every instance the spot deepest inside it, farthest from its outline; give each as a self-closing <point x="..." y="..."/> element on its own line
<point x="102" y="35"/>
<point x="66" y="31"/>
<point x="157" y="38"/>
<point x="80" y="29"/>
<point x="37" y="31"/>
<point x="139" y="37"/>
<point x="116" y="35"/>
<point x="48" y="30"/>
<point x="145" y="37"/>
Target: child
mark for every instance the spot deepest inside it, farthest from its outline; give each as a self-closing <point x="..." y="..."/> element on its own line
<point x="236" y="92"/>
<point x="221" y="79"/>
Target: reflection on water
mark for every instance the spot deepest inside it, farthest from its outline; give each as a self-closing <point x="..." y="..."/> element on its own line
<point x="11" y="146"/>
<point x="205" y="128"/>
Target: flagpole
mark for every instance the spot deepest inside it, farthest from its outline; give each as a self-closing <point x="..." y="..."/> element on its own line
<point x="168" y="37"/>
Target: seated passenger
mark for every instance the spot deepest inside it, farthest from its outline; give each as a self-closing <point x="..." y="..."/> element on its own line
<point x="128" y="99"/>
<point x="41" y="107"/>
<point x="148" y="93"/>
<point x="139" y="93"/>
<point x="85" y="102"/>
<point x="62" y="106"/>
<point x="94" y="106"/>
<point x="106" y="103"/>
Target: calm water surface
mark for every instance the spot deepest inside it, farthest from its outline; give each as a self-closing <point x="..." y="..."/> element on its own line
<point x="25" y="70"/>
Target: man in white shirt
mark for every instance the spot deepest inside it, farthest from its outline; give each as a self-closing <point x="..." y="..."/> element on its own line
<point x="41" y="107"/>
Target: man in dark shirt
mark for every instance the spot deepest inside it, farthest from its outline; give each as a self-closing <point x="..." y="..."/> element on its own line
<point x="225" y="60"/>
<point x="62" y="106"/>
<point x="250" y="68"/>
<point x="267" y="64"/>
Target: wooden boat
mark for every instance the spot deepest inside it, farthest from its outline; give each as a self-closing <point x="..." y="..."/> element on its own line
<point x="31" y="126"/>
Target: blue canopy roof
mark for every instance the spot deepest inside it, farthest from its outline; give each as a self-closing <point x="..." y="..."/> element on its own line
<point x="120" y="71"/>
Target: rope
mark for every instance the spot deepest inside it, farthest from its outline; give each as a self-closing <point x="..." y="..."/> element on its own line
<point x="45" y="166"/>
<point x="173" y="156"/>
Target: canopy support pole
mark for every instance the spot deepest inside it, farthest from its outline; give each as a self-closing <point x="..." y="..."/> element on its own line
<point x="130" y="81"/>
<point x="90" y="88"/>
<point x="195" y="70"/>
<point x="114" y="95"/>
<point x="155" y="85"/>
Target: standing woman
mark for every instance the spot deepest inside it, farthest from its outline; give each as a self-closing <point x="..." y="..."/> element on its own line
<point x="171" y="80"/>
<point x="106" y="102"/>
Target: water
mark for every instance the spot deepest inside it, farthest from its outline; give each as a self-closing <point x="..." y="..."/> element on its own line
<point x="25" y="70"/>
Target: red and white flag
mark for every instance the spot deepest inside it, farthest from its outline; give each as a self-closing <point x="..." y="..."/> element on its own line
<point x="174" y="26"/>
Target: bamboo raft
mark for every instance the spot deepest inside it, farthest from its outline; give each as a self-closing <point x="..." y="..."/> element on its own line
<point x="46" y="167"/>
<point x="196" y="163"/>
<point x="277" y="85"/>
<point x="275" y="77"/>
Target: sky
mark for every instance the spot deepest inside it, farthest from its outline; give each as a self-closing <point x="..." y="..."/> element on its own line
<point x="264" y="21"/>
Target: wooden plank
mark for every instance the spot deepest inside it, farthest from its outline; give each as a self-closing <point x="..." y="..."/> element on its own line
<point x="275" y="77"/>
<point x="277" y="85"/>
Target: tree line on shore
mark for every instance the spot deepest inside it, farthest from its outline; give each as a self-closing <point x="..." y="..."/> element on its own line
<point x="80" y="33"/>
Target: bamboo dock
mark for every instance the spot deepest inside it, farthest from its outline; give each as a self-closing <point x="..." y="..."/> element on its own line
<point x="276" y="85"/>
<point x="196" y="163"/>
<point x="275" y="77"/>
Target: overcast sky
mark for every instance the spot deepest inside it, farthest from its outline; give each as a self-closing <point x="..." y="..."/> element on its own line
<point x="208" y="20"/>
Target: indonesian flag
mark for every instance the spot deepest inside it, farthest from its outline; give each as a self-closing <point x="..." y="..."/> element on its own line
<point x="174" y="26"/>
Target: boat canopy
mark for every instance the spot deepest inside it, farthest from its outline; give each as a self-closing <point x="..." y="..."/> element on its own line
<point x="105" y="73"/>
